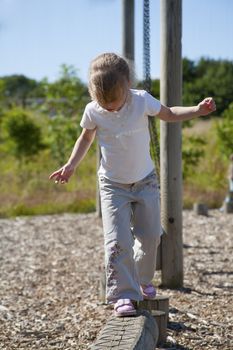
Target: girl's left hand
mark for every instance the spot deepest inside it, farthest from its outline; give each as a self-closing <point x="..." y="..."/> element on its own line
<point x="207" y="106"/>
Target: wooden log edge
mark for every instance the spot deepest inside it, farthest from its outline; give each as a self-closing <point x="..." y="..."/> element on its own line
<point x="138" y="332"/>
<point x="161" y="320"/>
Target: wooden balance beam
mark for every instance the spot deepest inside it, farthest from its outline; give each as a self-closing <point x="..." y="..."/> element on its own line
<point x="141" y="332"/>
<point x="138" y="332"/>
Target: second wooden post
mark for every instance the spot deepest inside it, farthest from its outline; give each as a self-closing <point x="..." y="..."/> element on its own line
<point x="171" y="162"/>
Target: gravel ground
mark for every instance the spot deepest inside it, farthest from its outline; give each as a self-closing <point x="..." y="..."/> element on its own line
<point x="49" y="278"/>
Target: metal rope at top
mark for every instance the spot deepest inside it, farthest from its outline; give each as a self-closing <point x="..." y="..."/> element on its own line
<point x="155" y="146"/>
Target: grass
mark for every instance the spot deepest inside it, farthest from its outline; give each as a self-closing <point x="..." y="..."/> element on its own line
<point x="25" y="189"/>
<point x="82" y="206"/>
<point x="208" y="183"/>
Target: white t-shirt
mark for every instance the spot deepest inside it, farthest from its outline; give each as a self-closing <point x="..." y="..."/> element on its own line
<point x="124" y="136"/>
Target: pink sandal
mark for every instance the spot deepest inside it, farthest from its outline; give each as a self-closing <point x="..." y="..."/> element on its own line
<point x="124" y="307"/>
<point x="148" y="292"/>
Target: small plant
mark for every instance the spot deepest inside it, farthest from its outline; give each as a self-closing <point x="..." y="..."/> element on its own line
<point x="22" y="133"/>
<point x="193" y="151"/>
<point x="224" y="129"/>
<point x="62" y="134"/>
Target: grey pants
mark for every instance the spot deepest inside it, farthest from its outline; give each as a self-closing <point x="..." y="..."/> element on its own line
<point x="132" y="230"/>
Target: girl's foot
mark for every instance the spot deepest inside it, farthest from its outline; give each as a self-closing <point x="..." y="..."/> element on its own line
<point x="124" y="307"/>
<point x="148" y="291"/>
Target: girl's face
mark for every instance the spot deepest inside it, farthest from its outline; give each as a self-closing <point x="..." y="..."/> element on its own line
<point x="117" y="104"/>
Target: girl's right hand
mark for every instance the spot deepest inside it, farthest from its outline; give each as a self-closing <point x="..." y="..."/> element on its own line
<point x="63" y="174"/>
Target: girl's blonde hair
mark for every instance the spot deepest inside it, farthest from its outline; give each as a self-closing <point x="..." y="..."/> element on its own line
<point x="109" y="77"/>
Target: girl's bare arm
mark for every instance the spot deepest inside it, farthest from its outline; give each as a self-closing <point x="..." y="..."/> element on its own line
<point x="175" y="114"/>
<point x="80" y="149"/>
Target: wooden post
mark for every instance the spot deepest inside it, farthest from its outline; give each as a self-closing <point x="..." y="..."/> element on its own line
<point x="159" y="303"/>
<point x="161" y="320"/>
<point x="228" y="208"/>
<point x="128" y="29"/>
<point x="171" y="167"/>
<point x="228" y="203"/>
<point x="200" y="209"/>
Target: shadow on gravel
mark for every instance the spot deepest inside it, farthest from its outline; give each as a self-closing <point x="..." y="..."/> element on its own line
<point x="167" y="346"/>
<point x="210" y="273"/>
<point x="177" y="327"/>
<point x="185" y="290"/>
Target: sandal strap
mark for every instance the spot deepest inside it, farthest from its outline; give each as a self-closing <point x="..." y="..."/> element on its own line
<point x="122" y="302"/>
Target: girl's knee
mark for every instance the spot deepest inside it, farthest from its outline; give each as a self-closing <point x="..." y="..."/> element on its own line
<point x="152" y="239"/>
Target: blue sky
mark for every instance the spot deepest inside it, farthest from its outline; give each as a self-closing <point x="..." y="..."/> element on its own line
<point x="37" y="36"/>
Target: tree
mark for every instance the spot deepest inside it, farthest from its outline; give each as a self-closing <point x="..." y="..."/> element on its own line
<point x="208" y="77"/>
<point x="67" y="95"/>
<point x="22" y="133"/>
<point x="15" y="89"/>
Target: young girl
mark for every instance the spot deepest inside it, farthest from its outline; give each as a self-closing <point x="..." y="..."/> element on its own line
<point x="128" y="186"/>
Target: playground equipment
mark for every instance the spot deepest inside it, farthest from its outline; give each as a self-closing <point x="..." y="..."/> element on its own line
<point x="140" y="332"/>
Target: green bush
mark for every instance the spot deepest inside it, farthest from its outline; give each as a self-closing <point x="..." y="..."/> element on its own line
<point x="62" y="134"/>
<point x="67" y="95"/>
<point x="22" y="133"/>
<point x="192" y="152"/>
<point x="224" y="130"/>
